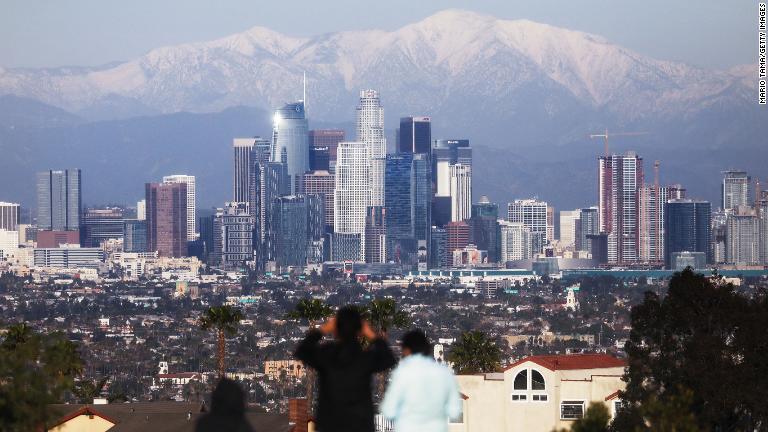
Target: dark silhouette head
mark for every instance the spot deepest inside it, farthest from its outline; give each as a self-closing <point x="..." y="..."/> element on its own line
<point x="349" y="323"/>
<point x="416" y="342"/>
<point x="228" y="398"/>
<point x="227" y="410"/>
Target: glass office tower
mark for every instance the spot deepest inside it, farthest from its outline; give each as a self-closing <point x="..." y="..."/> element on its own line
<point x="290" y="140"/>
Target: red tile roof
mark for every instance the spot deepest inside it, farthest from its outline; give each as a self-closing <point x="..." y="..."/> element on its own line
<point x="572" y="361"/>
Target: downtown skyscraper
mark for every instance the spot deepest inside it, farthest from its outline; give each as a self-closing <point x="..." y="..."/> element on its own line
<point x="619" y="180"/>
<point x="167" y="218"/>
<point x="370" y="131"/>
<point x="415" y="135"/>
<point x="352" y="196"/>
<point x="686" y="230"/>
<point x="290" y="140"/>
<point x="59" y="200"/>
<point x="735" y="189"/>
<point x="191" y="201"/>
<point x="249" y="154"/>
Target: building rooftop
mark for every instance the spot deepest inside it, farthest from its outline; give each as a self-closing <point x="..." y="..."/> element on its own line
<point x="573" y="361"/>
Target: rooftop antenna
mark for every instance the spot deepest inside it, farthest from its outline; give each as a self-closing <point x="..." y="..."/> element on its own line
<point x="304" y="95"/>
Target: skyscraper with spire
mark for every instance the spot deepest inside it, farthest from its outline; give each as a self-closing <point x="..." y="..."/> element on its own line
<point x="290" y="140"/>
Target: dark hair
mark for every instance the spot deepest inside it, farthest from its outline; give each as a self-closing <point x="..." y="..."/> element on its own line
<point x="348" y="324"/>
<point x="417" y="342"/>
<point x="228" y="398"/>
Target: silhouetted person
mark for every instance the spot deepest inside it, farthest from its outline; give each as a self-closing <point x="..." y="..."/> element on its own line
<point x="344" y="371"/>
<point x="227" y="410"/>
<point x="422" y="394"/>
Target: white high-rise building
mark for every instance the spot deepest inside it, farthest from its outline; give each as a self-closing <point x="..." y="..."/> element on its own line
<point x="514" y="241"/>
<point x="241" y="168"/>
<point x="735" y="189"/>
<point x="352" y="194"/>
<point x="191" y="201"/>
<point x="569" y="220"/>
<point x="743" y="237"/>
<point x="9" y="215"/>
<point x="370" y="131"/>
<point x="619" y="180"/>
<point x="461" y="192"/>
<point x="141" y="210"/>
<point x="532" y="213"/>
<point x="9" y="243"/>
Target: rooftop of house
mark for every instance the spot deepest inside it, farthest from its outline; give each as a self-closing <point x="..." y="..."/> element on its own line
<point x="161" y="416"/>
<point x="572" y="361"/>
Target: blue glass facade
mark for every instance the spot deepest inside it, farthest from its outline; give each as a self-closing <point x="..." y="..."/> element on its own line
<point x="686" y="228"/>
<point x="290" y="140"/>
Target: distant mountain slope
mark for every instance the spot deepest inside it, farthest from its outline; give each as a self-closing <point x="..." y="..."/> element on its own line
<point x="526" y="94"/>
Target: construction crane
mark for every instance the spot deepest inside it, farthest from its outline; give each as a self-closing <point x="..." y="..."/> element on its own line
<point x="605" y="136"/>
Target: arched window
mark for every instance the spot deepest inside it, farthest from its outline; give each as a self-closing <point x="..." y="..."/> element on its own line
<point x="537" y="380"/>
<point x="521" y="380"/>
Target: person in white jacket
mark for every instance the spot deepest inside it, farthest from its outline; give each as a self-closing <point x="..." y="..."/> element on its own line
<point x="422" y="394"/>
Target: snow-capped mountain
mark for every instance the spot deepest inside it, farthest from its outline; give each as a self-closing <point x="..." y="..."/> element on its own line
<point x="423" y="67"/>
<point x="526" y="94"/>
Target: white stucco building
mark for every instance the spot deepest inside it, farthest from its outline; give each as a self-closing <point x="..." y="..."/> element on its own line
<point x="539" y="393"/>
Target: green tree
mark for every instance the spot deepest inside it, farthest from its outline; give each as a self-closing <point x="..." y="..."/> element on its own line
<point x="224" y="320"/>
<point x="87" y="390"/>
<point x="702" y="348"/>
<point x="383" y="315"/>
<point x="475" y="353"/>
<point x="36" y="370"/>
<point x="312" y="311"/>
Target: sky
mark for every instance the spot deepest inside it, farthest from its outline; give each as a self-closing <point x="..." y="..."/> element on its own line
<point x="49" y="33"/>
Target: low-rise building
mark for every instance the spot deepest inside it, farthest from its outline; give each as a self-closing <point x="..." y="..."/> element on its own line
<point x="293" y="368"/>
<point x="539" y="393"/>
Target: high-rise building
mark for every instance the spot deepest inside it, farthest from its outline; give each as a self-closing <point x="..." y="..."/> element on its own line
<point x="415" y="135"/>
<point x="742" y="237"/>
<point x="651" y="213"/>
<point x="352" y="193"/>
<point x="191" y="201"/>
<point x="515" y="241"/>
<point x="762" y="207"/>
<point x="485" y="227"/>
<point x="298" y="225"/>
<point x="167" y="218"/>
<point x="135" y="235"/>
<point x="233" y="235"/>
<point x="458" y="236"/>
<point x="59" y="200"/>
<point x="370" y="131"/>
<point x="10" y="215"/>
<point x="376" y="235"/>
<point x="461" y="192"/>
<point x="719" y="232"/>
<point x="141" y="210"/>
<point x="686" y="228"/>
<point x="619" y="178"/>
<point x="735" y="189"/>
<point x="9" y="243"/>
<point x="407" y="198"/>
<point x="438" y="249"/>
<point x="290" y="140"/>
<point x="588" y="224"/>
<point x="569" y="224"/>
<point x="534" y="215"/>
<point x="320" y="183"/>
<point x="99" y="225"/>
<point x="247" y="152"/>
<point x="205" y="225"/>
<point x="323" y="144"/>
<point x="447" y="152"/>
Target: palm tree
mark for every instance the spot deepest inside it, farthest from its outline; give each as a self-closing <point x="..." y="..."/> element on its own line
<point x="384" y="315"/>
<point x="312" y="311"/>
<point x="224" y="319"/>
<point x="475" y="353"/>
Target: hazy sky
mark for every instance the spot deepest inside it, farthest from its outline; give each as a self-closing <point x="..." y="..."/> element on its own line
<point x="35" y="33"/>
